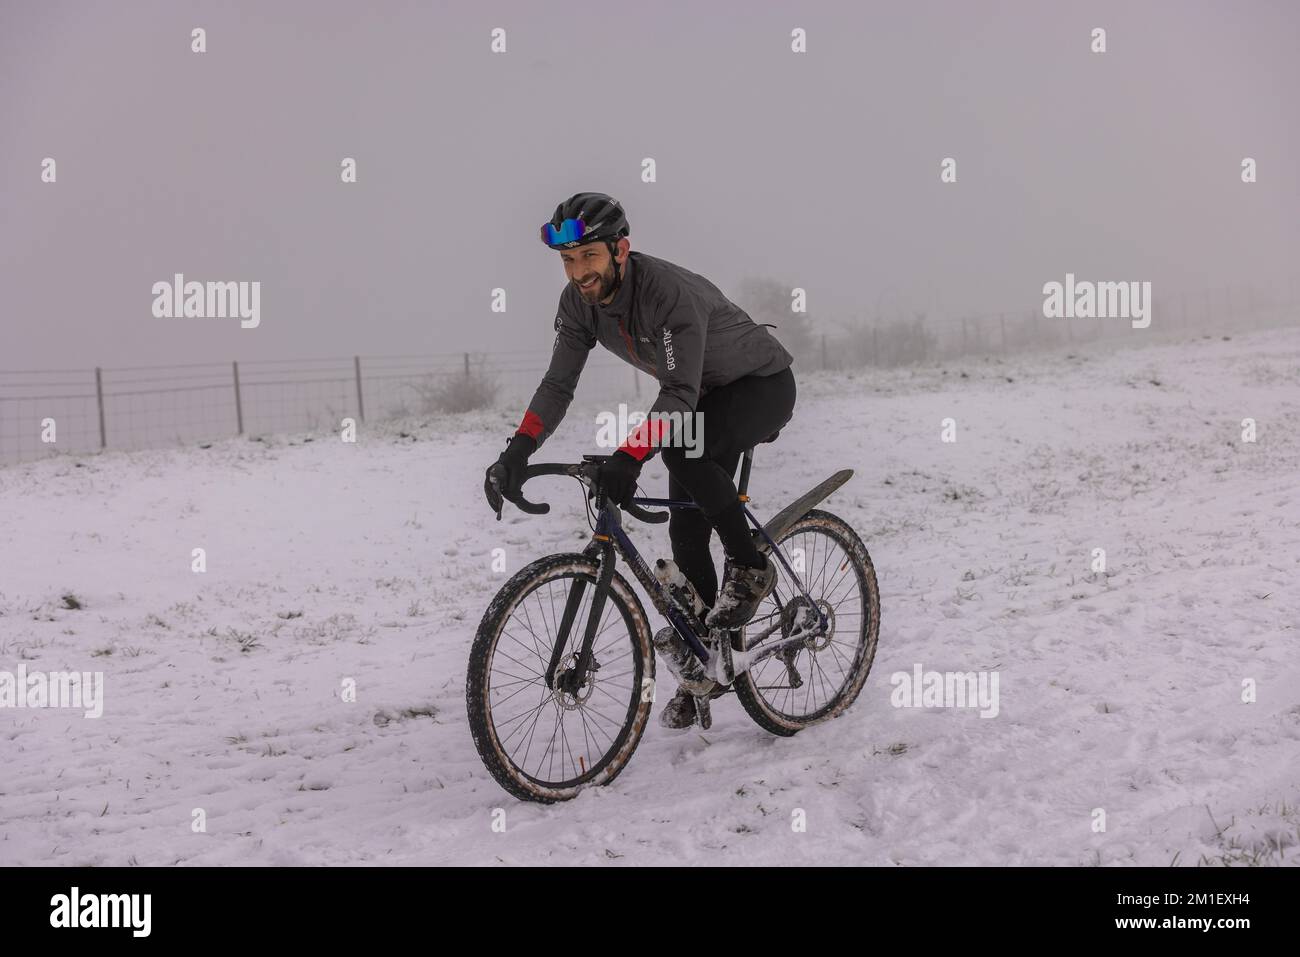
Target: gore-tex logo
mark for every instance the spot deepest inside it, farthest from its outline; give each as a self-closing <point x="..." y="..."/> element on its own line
<point x="668" y="350"/>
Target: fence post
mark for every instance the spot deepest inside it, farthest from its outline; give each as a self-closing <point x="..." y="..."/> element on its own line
<point x="467" y="365"/>
<point x="239" y="405"/>
<point x="1002" y="329"/>
<point x="99" y="395"/>
<point x="875" y="345"/>
<point x="361" y="408"/>
<point x="965" y="348"/>
<point x="825" y="366"/>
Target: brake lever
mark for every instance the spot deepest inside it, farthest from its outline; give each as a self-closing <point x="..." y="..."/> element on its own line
<point x="533" y="508"/>
<point x="496" y="500"/>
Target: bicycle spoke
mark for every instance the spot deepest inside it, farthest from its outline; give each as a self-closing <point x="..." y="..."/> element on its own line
<point x="619" y="675"/>
<point x="535" y="674"/>
<point x="528" y="618"/>
<point x="608" y="695"/>
<point x="533" y="727"/>
<point x="597" y="727"/>
<point x="526" y="683"/>
<point x="537" y="648"/>
<point x="545" y="699"/>
<point x="534" y="650"/>
<point x="564" y="739"/>
<point x="550" y="746"/>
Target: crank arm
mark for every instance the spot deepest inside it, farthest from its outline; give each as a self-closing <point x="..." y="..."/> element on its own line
<point x="703" y="713"/>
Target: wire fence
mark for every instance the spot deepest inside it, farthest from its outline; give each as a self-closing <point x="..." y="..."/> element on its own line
<point x="54" y="411"/>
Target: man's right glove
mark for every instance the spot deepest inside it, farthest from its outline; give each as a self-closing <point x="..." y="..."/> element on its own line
<point x="505" y="476"/>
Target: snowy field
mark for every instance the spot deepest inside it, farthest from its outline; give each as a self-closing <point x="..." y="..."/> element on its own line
<point x="1119" y="691"/>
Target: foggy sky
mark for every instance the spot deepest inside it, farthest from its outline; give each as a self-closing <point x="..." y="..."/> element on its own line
<point x="820" y="170"/>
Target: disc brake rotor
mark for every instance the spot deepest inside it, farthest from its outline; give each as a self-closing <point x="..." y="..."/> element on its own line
<point x="568" y="698"/>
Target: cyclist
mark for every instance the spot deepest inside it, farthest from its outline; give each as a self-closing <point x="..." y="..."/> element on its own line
<point x="710" y="358"/>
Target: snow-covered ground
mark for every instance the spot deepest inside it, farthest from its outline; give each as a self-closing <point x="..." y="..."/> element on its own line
<point x="325" y="561"/>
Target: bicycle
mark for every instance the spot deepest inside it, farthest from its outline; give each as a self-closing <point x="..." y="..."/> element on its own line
<point x="529" y="663"/>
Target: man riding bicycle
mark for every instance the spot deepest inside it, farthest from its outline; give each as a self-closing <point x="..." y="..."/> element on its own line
<point x="711" y="360"/>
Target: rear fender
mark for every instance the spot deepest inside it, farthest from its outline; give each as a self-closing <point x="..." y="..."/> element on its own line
<point x="785" y="519"/>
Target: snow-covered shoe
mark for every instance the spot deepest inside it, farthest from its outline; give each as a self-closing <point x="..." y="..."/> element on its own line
<point x="742" y="589"/>
<point x="680" y="711"/>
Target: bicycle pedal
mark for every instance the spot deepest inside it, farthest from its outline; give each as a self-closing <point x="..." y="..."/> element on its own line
<point x="722" y="666"/>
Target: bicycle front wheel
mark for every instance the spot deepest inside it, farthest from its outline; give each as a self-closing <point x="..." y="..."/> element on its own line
<point x="547" y="744"/>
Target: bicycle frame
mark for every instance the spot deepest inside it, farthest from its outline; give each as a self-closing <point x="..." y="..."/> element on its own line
<point x="610" y="540"/>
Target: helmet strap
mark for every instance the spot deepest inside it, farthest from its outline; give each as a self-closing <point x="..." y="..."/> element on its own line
<point x="618" y="272"/>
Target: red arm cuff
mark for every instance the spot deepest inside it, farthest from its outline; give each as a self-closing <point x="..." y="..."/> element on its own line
<point x="531" y="426"/>
<point x="645" y="438"/>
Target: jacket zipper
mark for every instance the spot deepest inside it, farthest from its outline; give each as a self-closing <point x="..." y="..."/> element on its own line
<point x="631" y="353"/>
<point x="648" y="368"/>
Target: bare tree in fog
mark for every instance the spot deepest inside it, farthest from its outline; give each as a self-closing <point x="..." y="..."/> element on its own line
<point x="767" y="300"/>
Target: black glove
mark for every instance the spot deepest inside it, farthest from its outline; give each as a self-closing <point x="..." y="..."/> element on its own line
<point x="505" y="476"/>
<point x="617" y="477"/>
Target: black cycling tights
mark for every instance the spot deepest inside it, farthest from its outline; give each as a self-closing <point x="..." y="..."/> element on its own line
<point x="736" y="417"/>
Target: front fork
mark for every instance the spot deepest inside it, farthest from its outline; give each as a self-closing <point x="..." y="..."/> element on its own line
<point x="573" y="679"/>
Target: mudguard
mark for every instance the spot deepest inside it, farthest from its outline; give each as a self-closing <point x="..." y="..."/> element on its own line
<point x="784" y="519"/>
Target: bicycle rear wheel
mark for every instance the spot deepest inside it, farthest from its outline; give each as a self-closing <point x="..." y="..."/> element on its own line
<point x="820" y="679"/>
<point x="545" y="744"/>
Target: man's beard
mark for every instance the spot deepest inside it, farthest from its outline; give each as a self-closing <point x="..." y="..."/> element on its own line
<point x="604" y="283"/>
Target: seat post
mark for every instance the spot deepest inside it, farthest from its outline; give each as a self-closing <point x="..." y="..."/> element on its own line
<point x="743" y="485"/>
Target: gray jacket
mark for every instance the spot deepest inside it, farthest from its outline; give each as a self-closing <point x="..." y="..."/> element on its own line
<point x="665" y="320"/>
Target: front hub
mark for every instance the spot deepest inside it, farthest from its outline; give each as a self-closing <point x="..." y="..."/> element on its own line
<point x="569" y="694"/>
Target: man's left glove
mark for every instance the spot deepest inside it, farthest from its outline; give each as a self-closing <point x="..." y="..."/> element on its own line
<point x="505" y="476"/>
<point x="617" y="477"/>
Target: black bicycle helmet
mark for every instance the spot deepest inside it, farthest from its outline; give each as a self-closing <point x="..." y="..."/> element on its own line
<point x="601" y="215"/>
<point x="602" y="218"/>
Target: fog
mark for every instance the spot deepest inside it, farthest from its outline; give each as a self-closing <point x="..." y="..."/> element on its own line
<point x="818" y="170"/>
